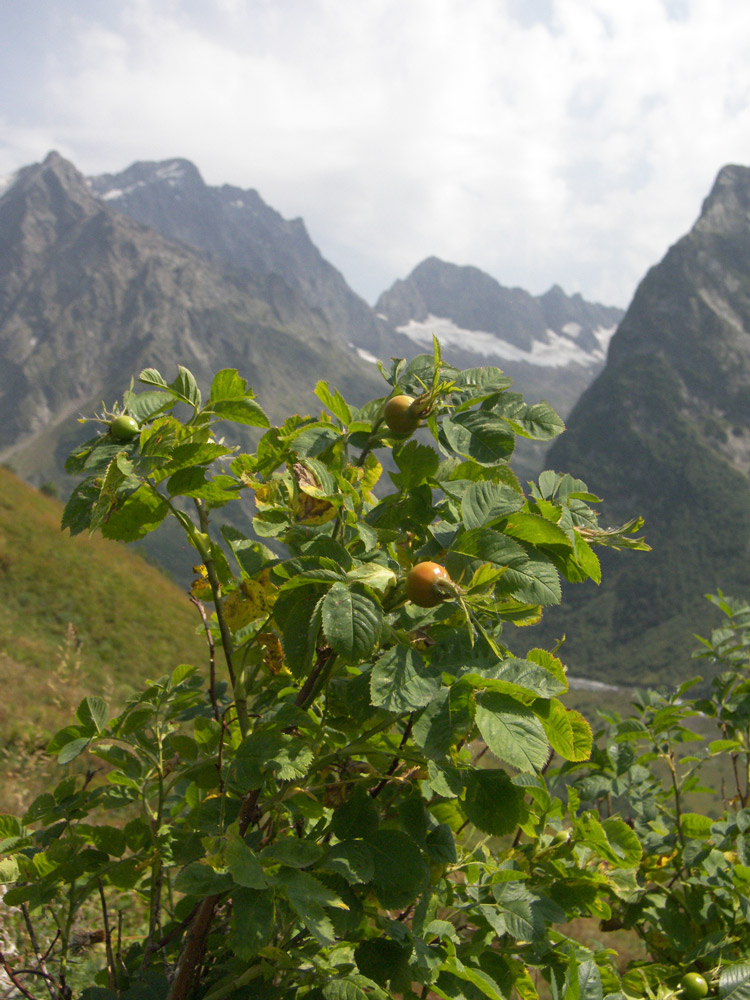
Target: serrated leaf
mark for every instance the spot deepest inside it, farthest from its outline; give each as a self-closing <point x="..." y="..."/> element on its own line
<point x="536" y="530"/>
<point x="734" y="982"/>
<point x="253" y="914"/>
<point x="243" y="864"/>
<point x="696" y="825"/>
<point x="401" y="681"/>
<point x="511" y="731"/>
<point x="200" y="879"/>
<point x="479" y="434"/>
<point x="417" y="463"/>
<point x="142" y="512"/>
<point x="293" y="852"/>
<point x="334" y="401"/>
<point x="492" y="802"/>
<point x="352" y="859"/>
<point x="400" y="869"/>
<point x="518" y="677"/>
<point x="77" y="514"/>
<point x="569" y="734"/>
<point x="73" y="749"/>
<point x="537" y="421"/>
<point x="307" y="897"/>
<point x="241" y="411"/>
<point x="351" y="621"/>
<point x="185" y="387"/>
<point x="485" y="502"/>
<point x="93" y="713"/>
<point x="490" y="546"/>
<point x="227" y="384"/>
<point x="534" y="581"/>
<point x="448" y="718"/>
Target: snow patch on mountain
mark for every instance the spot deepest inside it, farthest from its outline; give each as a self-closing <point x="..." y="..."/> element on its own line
<point x="558" y="351"/>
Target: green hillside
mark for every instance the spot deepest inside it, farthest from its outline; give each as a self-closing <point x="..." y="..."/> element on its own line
<point x="79" y="616"/>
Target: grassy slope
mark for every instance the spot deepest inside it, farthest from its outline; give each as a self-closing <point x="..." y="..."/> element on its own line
<point x="79" y="616"/>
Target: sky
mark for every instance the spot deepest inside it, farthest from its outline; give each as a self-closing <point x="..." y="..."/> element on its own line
<point x="546" y="142"/>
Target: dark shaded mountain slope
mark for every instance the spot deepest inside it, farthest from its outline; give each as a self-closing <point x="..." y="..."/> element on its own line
<point x="664" y="431"/>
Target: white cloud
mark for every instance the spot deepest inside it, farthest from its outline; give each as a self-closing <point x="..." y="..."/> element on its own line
<point x="565" y="141"/>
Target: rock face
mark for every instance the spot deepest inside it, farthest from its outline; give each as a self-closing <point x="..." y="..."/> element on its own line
<point x="552" y="345"/>
<point x="89" y="296"/>
<point x="664" y="431"/>
<point x="491" y="320"/>
<point x="236" y="226"/>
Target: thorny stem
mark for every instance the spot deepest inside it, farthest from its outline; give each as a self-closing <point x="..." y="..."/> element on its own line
<point x="316" y="677"/>
<point x="676" y="789"/>
<point x="112" y="968"/>
<point x="226" y="636"/>
<point x="211" y="654"/>
<point x="396" y="760"/>
<point x="9" y="972"/>
<point x="194" y="949"/>
<point x="48" y="981"/>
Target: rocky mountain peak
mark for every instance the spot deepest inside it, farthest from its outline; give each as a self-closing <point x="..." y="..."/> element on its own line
<point x="727" y="207"/>
<point x="177" y="175"/>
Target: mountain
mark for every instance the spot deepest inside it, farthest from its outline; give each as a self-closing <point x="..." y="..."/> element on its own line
<point x="236" y="226"/>
<point x="552" y="345"/>
<point x="89" y="296"/>
<point x="664" y="431"/>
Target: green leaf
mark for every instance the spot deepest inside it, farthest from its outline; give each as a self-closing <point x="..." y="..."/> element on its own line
<point x="357" y="817"/>
<point x="696" y="825"/>
<point x="400" y="869"/>
<point x="334" y="401"/>
<point x="353" y="988"/>
<point x="401" y="681"/>
<point x="142" y="512"/>
<point x="9" y="870"/>
<point x="734" y="982"/>
<point x="568" y="732"/>
<point x="77" y="514"/>
<point x="294" y="852"/>
<point x="512" y="731"/>
<point x="535" y="581"/>
<point x="199" y="879"/>
<point x="485" y="502"/>
<point x="493" y="803"/>
<point x="146" y="405"/>
<point x="253" y="921"/>
<point x="536" y="530"/>
<point x="351" y="621"/>
<point x="352" y="859"/>
<point x="241" y="411"/>
<point x="589" y="981"/>
<point x="93" y="714"/>
<point x="536" y="420"/>
<point x="447" y="719"/>
<point x="517" y="677"/>
<point x="612" y="839"/>
<point x="490" y="546"/>
<point x="227" y="384"/>
<point x="243" y="863"/>
<point x="185" y="387"/>
<point x="73" y="749"/>
<point x="307" y="897"/>
<point x="479" y="434"/>
<point x="417" y="463"/>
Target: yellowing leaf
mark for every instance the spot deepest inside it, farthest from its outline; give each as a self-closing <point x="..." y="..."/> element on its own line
<point x="311" y="510"/>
